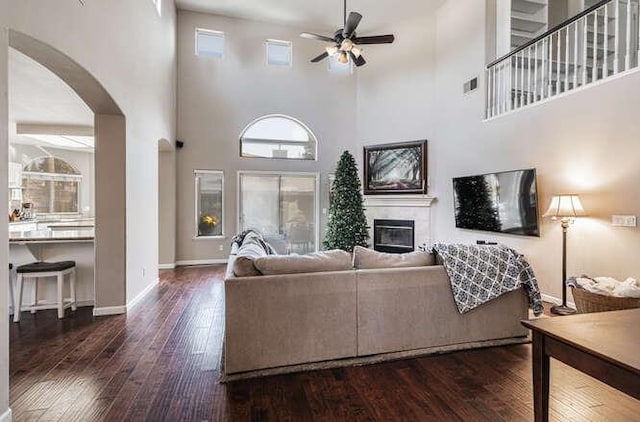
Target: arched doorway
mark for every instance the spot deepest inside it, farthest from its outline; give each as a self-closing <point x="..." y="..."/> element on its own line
<point x="110" y="174"/>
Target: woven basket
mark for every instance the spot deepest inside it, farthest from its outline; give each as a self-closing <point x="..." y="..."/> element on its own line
<point x="587" y="302"/>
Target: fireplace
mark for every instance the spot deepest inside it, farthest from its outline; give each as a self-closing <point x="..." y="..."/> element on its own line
<point x="394" y="236"/>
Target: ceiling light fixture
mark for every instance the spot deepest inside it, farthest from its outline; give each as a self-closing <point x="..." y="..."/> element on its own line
<point x="344" y="59"/>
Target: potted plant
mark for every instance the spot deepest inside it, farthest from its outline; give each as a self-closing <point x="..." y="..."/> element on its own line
<point x="208" y="225"/>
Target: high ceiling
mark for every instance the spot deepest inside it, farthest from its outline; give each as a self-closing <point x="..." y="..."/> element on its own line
<point x="316" y="15"/>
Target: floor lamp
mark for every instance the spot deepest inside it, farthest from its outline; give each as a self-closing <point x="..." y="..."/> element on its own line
<point x="564" y="208"/>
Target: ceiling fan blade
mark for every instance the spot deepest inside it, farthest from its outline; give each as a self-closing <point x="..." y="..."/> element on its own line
<point x="357" y="60"/>
<point x="376" y="39"/>
<point x="320" y="57"/>
<point x="316" y="37"/>
<point x="352" y="23"/>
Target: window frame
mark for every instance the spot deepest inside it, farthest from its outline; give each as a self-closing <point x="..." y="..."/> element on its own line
<point x="196" y="217"/>
<point x="210" y="32"/>
<point x="274" y="42"/>
<point x="316" y="196"/>
<point x="283" y="116"/>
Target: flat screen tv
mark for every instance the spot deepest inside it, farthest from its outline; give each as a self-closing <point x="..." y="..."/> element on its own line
<point x="505" y="202"/>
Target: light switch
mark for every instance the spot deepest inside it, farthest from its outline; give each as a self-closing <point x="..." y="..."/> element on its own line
<point x="624" y="221"/>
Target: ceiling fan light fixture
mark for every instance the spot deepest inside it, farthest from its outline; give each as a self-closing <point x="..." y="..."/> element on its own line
<point x="344" y="58"/>
<point x="347" y="45"/>
<point x="331" y="50"/>
<point x="356" y="52"/>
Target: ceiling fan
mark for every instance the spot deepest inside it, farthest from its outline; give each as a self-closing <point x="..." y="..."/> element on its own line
<point x="346" y="42"/>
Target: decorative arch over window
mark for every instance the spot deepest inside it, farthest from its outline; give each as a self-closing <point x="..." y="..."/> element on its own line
<point x="52" y="185"/>
<point x="278" y="136"/>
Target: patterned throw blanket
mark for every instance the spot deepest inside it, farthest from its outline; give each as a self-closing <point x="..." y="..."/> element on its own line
<point x="479" y="273"/>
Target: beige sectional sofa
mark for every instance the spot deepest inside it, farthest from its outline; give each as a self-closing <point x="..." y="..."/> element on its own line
<point x="290" y="322"/>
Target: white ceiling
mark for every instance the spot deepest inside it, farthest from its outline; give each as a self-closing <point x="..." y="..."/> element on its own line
<point x="316" y="15"/>
<point x="36" y="95"/>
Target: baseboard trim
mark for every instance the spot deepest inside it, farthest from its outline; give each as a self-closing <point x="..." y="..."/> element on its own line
<point x="6" y="416"/>
<point x="189" y="263"/>
<point x="166" y="266"/>
<point x="109" y="310"/>
<point x="556" y="301"/>
<point x="142" y="294"/>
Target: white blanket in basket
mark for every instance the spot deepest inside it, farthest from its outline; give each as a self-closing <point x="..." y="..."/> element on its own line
<point x="609" y="286"/>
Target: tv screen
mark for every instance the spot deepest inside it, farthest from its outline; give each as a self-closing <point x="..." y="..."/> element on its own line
<point x="505" y="202"/>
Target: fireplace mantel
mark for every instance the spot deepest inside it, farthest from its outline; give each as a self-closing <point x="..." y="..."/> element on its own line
<point x="410" y="201"/>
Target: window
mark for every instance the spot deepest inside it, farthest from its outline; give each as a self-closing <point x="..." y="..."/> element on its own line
<point x="209" y="203"/>
<point x="278" y="136"/>
<point x="283" y="207"/>
<point x="209" y="43"/>
<point x="52" y="185"/>
<point x="279" y="53"/>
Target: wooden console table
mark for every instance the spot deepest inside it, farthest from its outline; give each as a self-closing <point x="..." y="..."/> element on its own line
<point x="602" y="345"/>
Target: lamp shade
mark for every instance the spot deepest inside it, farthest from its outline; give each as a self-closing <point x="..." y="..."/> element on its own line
<point x="565" y="206"/>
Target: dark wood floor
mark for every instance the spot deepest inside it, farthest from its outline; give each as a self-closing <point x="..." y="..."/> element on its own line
<point x="161" y="362"/>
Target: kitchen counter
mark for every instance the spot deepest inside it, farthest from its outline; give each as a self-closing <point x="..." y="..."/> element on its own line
<point x="52" y="236"/>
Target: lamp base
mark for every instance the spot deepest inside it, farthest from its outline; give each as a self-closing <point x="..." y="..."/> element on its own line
<point x="562" y="310"/>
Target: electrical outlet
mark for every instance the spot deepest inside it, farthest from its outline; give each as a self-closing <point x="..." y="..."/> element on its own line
<point x="624" y="221"/>
<point x="221" y="248"/>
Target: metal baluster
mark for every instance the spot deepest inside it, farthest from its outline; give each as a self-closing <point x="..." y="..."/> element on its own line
<point x="529" y="94"/>
<point x="566" y="60"/>
<point x="627" y="60"/>
<point x="594" y="73"/>
<point x="522" y="80"/>
<point x="550" y="89"/>
<point x="516" y="99"/>
<point x="535" y="73"/>
<point x="558" y="66"/>
<point x="576" y="47"/>
<point x="495" y="92"/>
<point x="616" y="40"/>
<point x="585" y="58"/>
<point x="637" y="6"/>
<point x="605" y="42"/>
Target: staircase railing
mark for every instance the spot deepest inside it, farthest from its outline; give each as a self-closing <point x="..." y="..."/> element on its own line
<point x="596" y="44"/>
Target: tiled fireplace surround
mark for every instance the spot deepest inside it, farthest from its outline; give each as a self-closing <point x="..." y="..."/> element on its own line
<point x="402" y="207"/>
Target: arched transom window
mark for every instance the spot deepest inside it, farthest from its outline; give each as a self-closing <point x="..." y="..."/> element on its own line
<point x="52" y="185"/>
<point x="278" y="136"/>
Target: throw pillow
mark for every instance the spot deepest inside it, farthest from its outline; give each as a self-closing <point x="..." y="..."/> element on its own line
<point x="364" y="258"/>
<point x="335" y="260"/>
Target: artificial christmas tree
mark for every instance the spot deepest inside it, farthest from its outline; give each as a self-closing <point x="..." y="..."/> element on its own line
<point x="347" y="225"/>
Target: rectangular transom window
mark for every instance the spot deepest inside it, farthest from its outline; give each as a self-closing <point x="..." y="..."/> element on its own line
<point x="209" y="186"/>
<point x="279" y="53"/>
<point x="209" y="43"/>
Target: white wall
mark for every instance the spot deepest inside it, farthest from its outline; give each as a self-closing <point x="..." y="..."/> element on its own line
<point x="4" y="235"/>
<point x="131" y="50"/>
<point x="584" y="143"/>
<point x="218" y="98"/>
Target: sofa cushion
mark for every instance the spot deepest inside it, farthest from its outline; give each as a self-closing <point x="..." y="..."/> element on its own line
<point x="335" y="260"/>
<point x="243" y="265"/>
<point x="364" y="258"/>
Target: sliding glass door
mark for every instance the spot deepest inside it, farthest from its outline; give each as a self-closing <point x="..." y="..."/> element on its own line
<point x="281" y="206"/>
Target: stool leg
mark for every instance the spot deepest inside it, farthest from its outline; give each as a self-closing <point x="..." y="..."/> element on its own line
<point x="35" y="294"/>
<point x="18" y="307"/>
<point x="60" y="297"/>
<point x="12" y="293"/>
<point x="72" y="287"/>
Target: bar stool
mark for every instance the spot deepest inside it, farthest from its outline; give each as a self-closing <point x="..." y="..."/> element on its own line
<point x="46" y="269"/>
